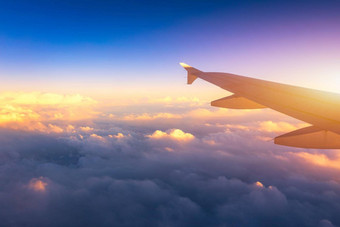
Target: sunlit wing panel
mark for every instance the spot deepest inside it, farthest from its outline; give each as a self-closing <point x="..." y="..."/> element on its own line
<point x="236" y="102"/>
<point x="319" y="108"/>
<point x="310" y="137"/>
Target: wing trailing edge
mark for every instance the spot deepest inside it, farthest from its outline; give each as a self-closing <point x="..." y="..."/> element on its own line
<point x="310" y="137"/>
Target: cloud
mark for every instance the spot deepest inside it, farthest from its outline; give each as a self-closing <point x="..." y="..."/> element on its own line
<point x="86" y="129"/>
<point x="44" y="99"/>
<point x="181" y="167"/>
<point x="320" y="160"/>
<point x="259" y="184"/>
<point x="130" y="180"/>
<point x="70" y="129"/>
<point x="37" y="184"/>
<point x="175" y="134"/>
<point x="118" y="136"/>
<point x="54" y="128"/>
<point x="36" y="111"/>
<point x="197" y="113"/>
<point x="95" y="136"/>
<point x="270" y="126"/>
<point x="325" y="223"/>
<point x="217" y="113"/>
<point x="149" y="117"/>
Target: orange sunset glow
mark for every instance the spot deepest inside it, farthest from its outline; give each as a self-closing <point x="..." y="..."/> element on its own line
<point x="37" y="184"/>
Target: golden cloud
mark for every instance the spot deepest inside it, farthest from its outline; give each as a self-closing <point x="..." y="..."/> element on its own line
<point x="320" y="160"/>
<point x="258" y="184"/>
<point x="175" y="134"/>
<point x="270" y="126"/>
<point x="86" y="129"/>
<point x="44" y="99"/>
<point x="37" y="184"/>
<point x="37" y="111"/>
<point x="146" y="116"/>
<point x="199" y="113"/>
<point x="98" y="137"/>
<point x="118" y="136"/>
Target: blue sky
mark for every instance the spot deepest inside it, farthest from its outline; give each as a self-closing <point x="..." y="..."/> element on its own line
<point x="144" y="40"/>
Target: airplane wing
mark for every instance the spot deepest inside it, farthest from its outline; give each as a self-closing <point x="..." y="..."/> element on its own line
<point x="318" y="108"/>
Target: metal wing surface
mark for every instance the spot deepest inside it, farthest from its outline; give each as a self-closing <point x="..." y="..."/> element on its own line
<point x="319" y="108"/>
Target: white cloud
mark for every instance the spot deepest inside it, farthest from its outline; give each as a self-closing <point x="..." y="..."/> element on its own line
<point x="174" y="134"/>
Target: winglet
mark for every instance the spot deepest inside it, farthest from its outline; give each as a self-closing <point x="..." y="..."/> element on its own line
<point x="184" y="65"/>
<point x="192" y="72"/>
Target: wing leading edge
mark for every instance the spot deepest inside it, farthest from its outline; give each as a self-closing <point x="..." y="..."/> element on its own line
<point x="318" y="108"/>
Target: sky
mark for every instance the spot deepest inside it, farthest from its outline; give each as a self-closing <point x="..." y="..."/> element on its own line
<point x="98" y="126"/>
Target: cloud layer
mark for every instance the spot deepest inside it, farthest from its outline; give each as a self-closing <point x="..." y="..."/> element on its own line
<point x="191" y="170"/>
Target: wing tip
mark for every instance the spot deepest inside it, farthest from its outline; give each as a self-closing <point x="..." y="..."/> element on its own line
<point x="184" y="65"/>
